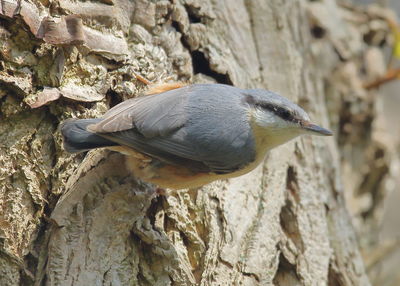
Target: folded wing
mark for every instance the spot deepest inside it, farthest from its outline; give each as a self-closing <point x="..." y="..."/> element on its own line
<point x="186" y="126"/>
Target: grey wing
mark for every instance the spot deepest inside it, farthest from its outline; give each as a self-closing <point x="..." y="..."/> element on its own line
<point x="184" y="127"/>
<point x="152" y="115"/>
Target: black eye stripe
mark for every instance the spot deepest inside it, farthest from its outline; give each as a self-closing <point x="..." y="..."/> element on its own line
<point x="277" y="110"/>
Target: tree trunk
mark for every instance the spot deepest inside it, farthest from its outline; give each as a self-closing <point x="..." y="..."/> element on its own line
<point x="84" y="220"/>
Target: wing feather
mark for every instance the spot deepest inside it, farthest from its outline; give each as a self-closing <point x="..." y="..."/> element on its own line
<point x="204" y="127"/>
<point x="152" y="115"/>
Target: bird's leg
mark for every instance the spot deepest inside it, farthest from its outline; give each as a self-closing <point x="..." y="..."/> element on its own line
<point x="161" y="192"/>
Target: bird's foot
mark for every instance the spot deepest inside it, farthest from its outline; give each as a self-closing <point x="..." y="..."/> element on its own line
<point x="161" y="192"/>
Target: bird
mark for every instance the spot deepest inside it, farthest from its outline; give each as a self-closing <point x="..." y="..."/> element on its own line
<point x="185" y="136"/>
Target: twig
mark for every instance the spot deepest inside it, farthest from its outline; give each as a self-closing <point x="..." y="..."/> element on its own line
<point x="389" y="76"/>
<point x="142" y="79"/>
<point x="381" y="253"/>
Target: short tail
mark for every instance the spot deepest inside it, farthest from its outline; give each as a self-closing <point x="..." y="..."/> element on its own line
<point x="78" y="139"/>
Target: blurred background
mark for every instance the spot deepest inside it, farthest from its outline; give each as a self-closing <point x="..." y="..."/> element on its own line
<point x="374" y="200"/>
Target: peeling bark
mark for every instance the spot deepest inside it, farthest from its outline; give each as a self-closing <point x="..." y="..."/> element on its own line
<point x="84" y="220"/>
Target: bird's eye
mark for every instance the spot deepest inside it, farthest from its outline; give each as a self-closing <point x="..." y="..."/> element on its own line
<point x="284" y="114"/>
<point x="279" y="111"/>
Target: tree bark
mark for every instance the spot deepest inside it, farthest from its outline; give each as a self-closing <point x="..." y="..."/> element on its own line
<point x="84" y="220"/>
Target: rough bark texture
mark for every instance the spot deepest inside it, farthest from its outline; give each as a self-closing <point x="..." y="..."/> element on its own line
<point x="83" y="220"/>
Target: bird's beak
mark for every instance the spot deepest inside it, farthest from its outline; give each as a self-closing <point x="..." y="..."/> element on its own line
<point x="316" y="130"/>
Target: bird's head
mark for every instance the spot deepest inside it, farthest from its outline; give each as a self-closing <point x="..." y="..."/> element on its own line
<point x="279" y="119"/>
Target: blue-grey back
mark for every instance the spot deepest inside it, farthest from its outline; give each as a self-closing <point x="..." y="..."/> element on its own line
<point x="218" y="126"/>
<point x="203" y="123"/>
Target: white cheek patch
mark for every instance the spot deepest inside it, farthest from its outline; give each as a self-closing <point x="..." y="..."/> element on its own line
<point x="270" y="130"/>
<point x="267" y="119"/>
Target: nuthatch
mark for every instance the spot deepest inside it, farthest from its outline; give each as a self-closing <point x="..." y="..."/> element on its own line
<point x="185" y="137"/>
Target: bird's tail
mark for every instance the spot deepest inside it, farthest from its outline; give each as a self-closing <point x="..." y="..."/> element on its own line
<point x="78" y="139"/>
